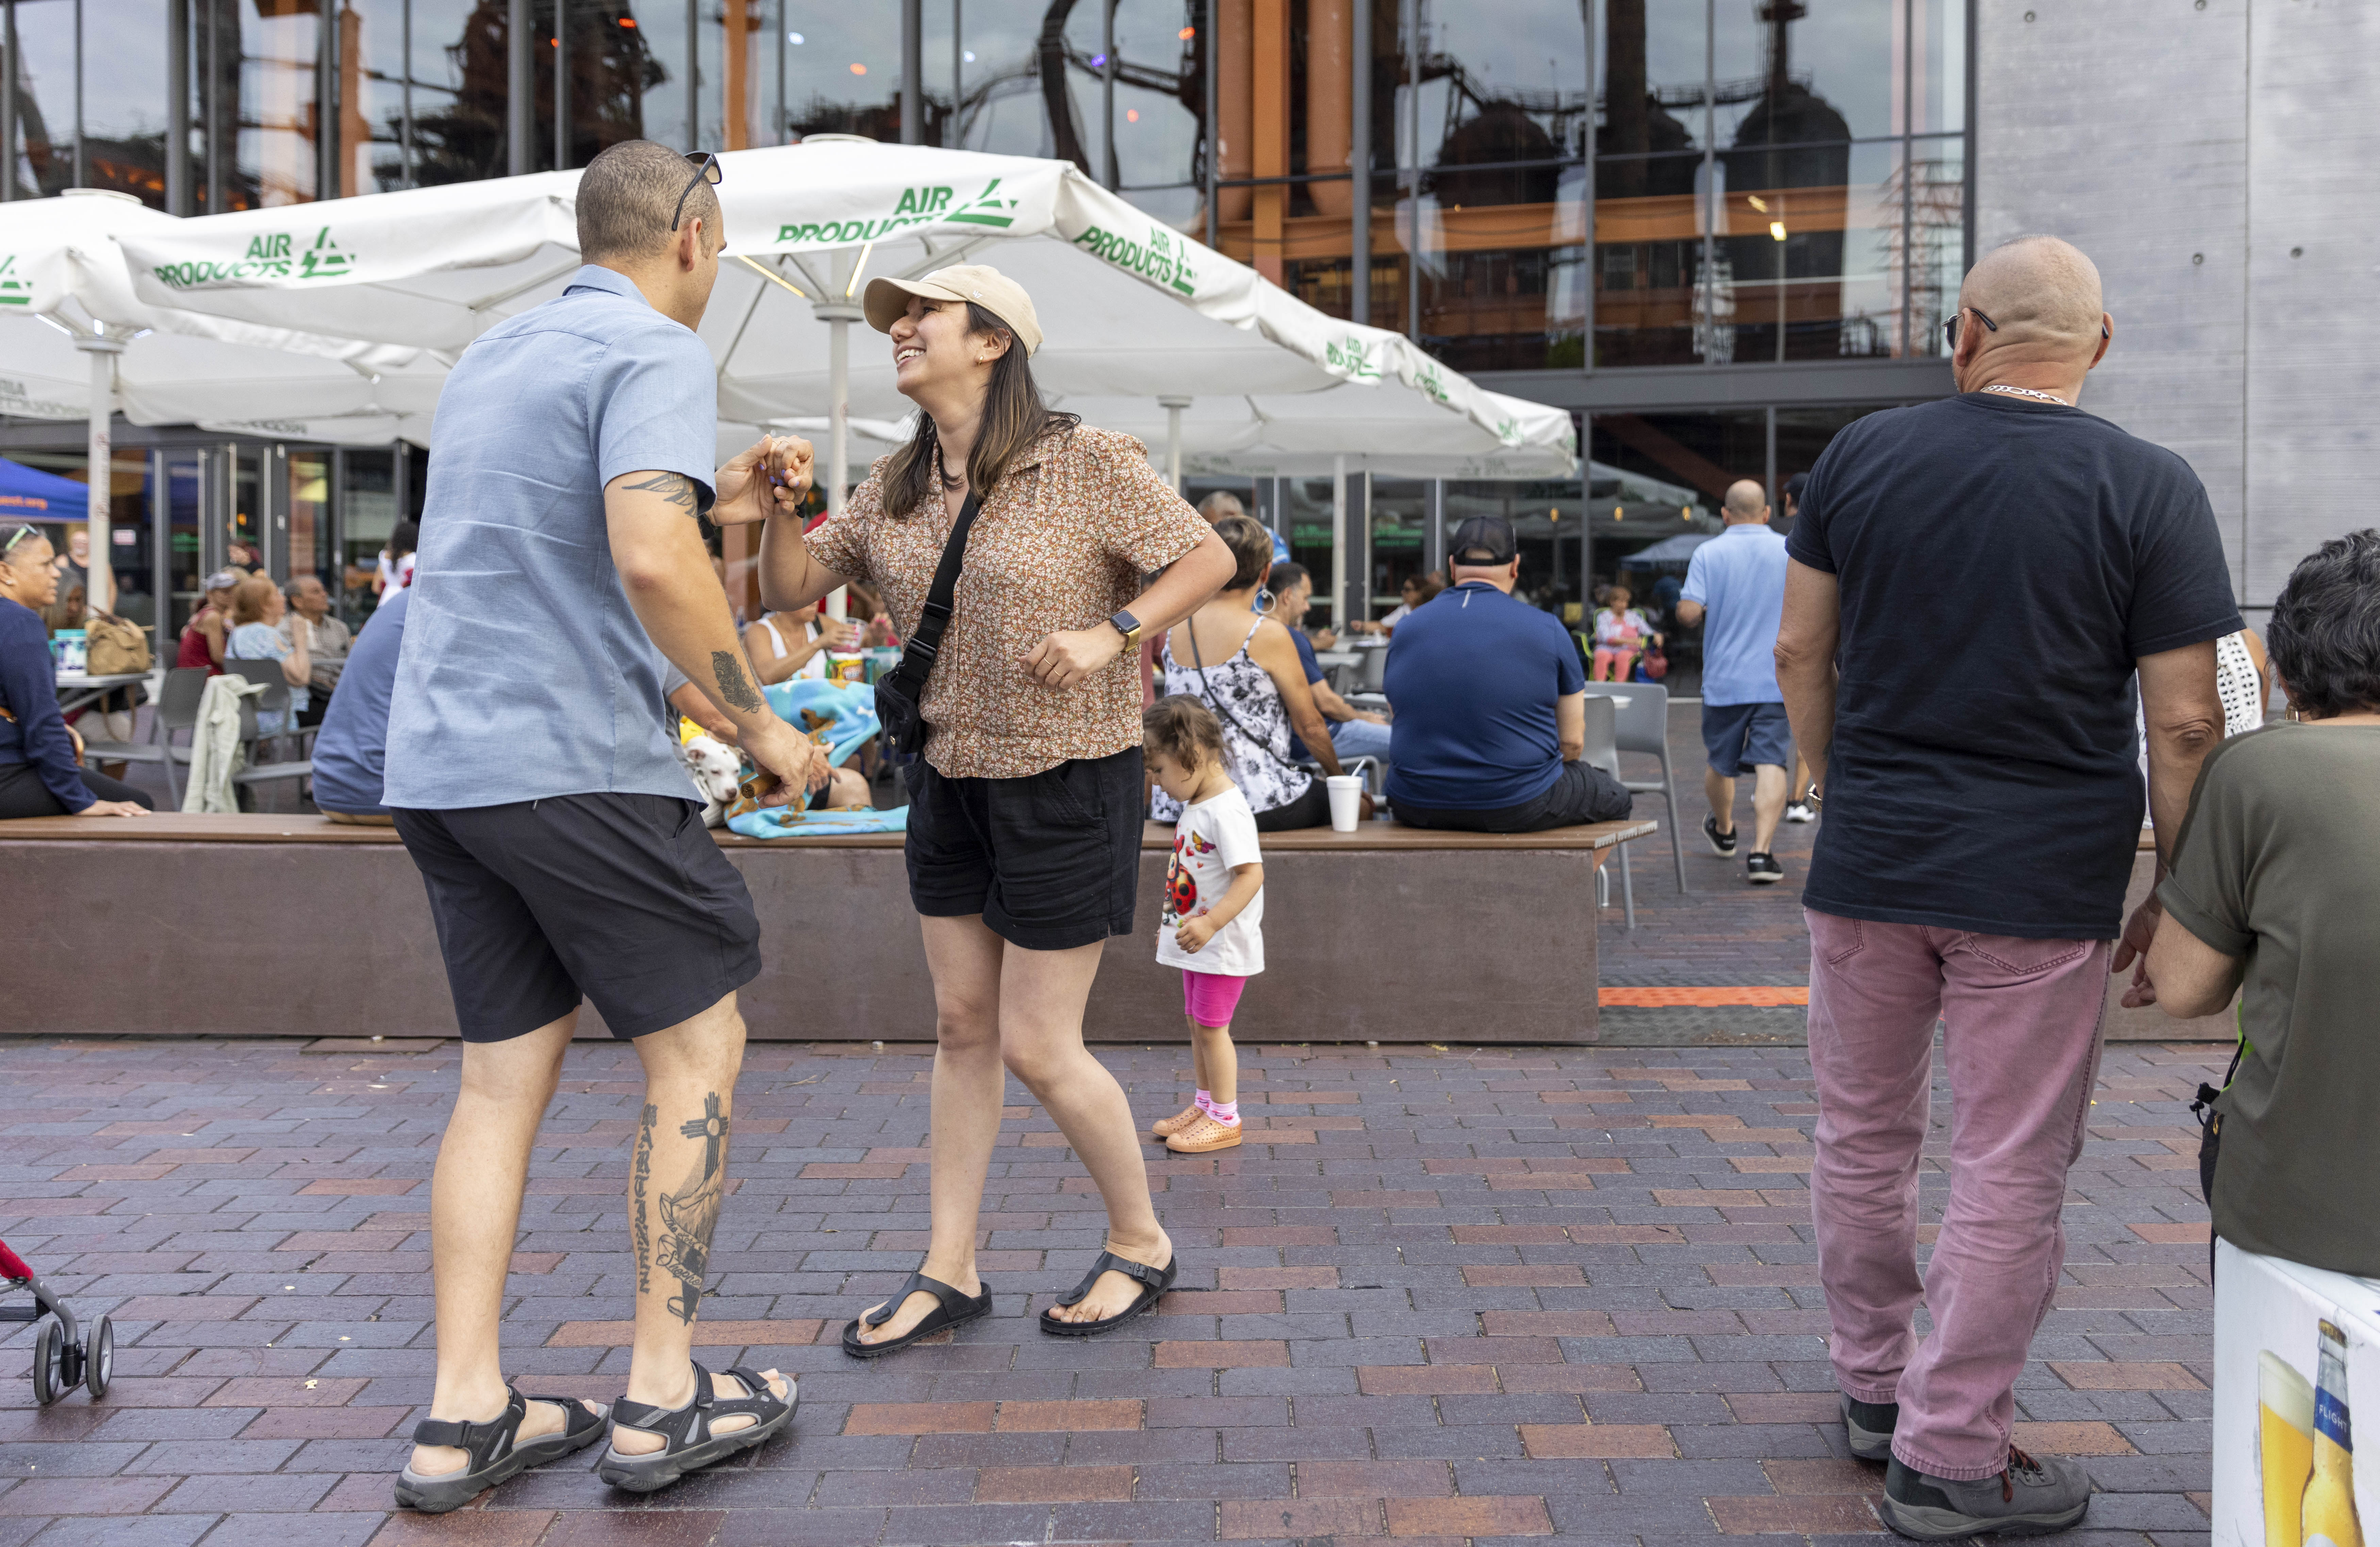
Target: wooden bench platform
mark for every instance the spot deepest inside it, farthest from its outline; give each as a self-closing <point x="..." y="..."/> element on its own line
<point x="225" y="925"/>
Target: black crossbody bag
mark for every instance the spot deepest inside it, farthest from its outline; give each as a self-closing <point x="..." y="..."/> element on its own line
<point x="900" y="691"/>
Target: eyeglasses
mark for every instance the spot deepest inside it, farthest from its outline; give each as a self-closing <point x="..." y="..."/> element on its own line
<point x="706" y="170"/>
<point x="1950" y="327"/>
<point x="22" y="532"/>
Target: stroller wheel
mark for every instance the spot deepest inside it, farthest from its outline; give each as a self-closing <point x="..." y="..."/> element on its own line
<point x="99" y="1358"/>
<point x="47" y="1365"/>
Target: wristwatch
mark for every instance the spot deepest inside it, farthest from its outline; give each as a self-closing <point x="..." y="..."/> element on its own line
<point x="1129" y="626"/>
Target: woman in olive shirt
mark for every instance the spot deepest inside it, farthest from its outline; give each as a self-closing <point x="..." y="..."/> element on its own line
<point x="2276" y="885"/>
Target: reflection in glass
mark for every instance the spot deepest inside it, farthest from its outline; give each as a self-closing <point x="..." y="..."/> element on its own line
<point x="1796" y="70"/>
<point x="844" y="76"/>
<point x="1648" y="260"/>
<point x="1652" y="66"/>
<point x="366" y="515"/>
<point x="45" y="64"/>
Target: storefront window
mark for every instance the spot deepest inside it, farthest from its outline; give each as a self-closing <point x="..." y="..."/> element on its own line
<point x="366" y="515"/>
<point x="1813" y="227"/>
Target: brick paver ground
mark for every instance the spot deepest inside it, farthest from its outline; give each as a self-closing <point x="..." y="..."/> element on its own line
<point x="1458" y="1297"/>
<point x="1726" y="931"/>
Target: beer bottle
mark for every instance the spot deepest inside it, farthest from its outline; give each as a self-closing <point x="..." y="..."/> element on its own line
<point x="2329" y="1517"/>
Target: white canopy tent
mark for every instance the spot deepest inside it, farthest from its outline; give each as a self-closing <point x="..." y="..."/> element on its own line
<point x="76" y="343"/>
<point x="808" y="224"/>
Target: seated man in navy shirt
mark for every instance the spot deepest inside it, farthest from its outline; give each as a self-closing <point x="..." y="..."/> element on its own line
<point x="1491" y="705"/>
<point x="351" y="748"/>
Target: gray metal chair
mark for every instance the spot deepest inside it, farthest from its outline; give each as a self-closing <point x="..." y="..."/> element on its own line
<point x="156" y="749"/>
<point x="1644" y="727"/>
<point x="1602" y="751"/>
<point x="256" y="773"/>
<point x="276" y="696"/>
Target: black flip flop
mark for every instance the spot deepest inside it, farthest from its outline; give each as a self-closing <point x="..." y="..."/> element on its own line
<point x="494" y="1453"/>
<point x="1155" y="1282"/>
<point x="956" y="1308"/>
<point x="691" y="1443"/>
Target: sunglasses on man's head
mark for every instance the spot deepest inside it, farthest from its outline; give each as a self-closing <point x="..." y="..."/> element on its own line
<point x="1951" y="326"/>
<point x="706" y="170"/>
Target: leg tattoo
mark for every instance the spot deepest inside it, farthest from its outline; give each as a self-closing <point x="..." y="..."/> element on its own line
<point x="640" y="1235"/>
<point x="690" y="1214"/>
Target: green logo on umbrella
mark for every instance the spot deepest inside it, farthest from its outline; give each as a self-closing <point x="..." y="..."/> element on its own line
<point x="1163" y="258"/>
<point x="274" y="255"/>
<point x="1353" y="356"/>
<point x="932" y="204"/>
<point x="14" y="289"/>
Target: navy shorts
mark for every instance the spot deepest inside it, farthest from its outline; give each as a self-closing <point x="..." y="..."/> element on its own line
<point x="1737" y="736"/>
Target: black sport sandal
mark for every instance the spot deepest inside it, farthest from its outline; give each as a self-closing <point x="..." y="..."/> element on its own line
<point x="691" y="1443"/>
<point x="1155" y="1282"/>
<point x="956" y="1308"/>
<point x="496" y="1450"/>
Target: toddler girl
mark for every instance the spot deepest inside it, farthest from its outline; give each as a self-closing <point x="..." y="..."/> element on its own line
<point x="1212" y="922"/>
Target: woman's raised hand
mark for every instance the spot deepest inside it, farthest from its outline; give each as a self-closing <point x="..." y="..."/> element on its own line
<point x="768" y="478"/>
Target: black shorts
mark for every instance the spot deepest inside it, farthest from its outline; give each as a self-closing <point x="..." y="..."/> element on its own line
<point x="623" y="900"/>
<point x="1580" y="794"/>
<point x="1051" y="860"/>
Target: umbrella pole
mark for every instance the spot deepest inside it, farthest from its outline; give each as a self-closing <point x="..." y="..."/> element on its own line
<point x="838" y="455"/>
<point x="1173" y="407"/>
<point x="100" y="593"/>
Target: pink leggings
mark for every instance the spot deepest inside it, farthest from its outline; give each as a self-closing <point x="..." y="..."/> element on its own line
<point x="1612" y="665"/>
<point x="1209" y="998"/>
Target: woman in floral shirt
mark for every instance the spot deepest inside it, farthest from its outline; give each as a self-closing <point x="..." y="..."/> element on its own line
<point x="1026" y="809"/>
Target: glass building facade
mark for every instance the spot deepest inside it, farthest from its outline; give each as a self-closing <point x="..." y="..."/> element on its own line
<point x="1716" y="229"/>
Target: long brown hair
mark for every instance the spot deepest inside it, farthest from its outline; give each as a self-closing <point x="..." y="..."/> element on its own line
<point x="1014" y="417"/>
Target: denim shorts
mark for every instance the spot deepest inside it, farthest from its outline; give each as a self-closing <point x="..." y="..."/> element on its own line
<point x="1739" y="736"/>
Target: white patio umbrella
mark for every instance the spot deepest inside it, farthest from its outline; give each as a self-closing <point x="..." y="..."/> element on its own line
<point x="76" y="343"/>
<point x="1130" y="308"/>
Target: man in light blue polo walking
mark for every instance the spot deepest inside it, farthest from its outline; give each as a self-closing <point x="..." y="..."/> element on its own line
<point x="1737" y="581"/>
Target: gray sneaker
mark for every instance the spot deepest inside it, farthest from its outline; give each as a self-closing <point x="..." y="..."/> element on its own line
<point x="2033" y="1496"/>
<point x="1870" y="1426"/>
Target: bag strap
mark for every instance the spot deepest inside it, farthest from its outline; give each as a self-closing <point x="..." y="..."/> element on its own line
<point x="925" y="642"/>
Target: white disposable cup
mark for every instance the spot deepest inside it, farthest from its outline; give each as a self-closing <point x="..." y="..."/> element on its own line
<point x="1346" y="801"/>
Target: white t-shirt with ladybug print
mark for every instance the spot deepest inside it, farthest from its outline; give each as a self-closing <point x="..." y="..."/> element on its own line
<point x="1210" y="839"/>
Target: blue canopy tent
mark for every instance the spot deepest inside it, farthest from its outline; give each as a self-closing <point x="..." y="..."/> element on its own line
<point x="31" y="495"/>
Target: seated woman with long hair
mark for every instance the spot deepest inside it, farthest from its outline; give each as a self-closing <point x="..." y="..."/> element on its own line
<point x="1246" y="669"/>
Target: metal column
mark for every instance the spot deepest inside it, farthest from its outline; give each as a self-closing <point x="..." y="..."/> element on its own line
<point x="913" y="72"/>
<point x="519" y="158"/>
<point x="1107" y="88"/>
<point x="9" y="102"/>
<point x="562" y="85"/>
<point x="957" y="139"/>
<point x="1214" y="123"/>
<point x="177" y="109"/>
<point x="1359" y="162"/>
<point x="693" y="77"/>
<point x="81" y="167"/>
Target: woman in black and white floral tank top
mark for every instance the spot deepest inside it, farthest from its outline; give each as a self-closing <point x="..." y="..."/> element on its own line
<point x="1246" y="669"/>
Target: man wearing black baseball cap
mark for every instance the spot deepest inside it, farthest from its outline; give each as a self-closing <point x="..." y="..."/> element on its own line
<point x="1491" y="703"/>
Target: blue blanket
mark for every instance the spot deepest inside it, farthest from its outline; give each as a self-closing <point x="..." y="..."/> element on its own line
<point x="849" y="708"/>
<point x="780" y="821"/>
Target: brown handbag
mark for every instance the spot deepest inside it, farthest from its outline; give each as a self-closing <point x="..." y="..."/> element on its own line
<point x="115" y="648"/>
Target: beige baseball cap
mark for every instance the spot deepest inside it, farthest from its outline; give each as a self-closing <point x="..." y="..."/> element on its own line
<point x="887" y="299"/>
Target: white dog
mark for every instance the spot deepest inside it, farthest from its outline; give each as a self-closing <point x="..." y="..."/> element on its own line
<point x="716" y="768"/>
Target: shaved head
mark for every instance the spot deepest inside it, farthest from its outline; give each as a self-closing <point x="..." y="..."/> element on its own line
<point x="1746" y="500"/>
<point x="2042" y="292"/>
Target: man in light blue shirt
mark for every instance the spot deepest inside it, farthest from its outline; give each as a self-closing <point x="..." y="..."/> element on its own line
<point x="1737" y="582"/>
<point x="532" y="774"/>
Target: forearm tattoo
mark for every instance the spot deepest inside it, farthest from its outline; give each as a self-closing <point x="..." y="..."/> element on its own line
<point x="641" y="1235"/>
<point x="735" y="689"/>
<point x="691" y="1214"/>
<point x="675" y="488"/>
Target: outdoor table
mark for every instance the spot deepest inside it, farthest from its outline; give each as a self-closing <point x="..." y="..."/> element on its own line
<point x="81" y="689"/>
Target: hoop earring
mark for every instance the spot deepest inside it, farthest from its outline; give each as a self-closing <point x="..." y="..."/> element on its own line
<point x="1265" y="599"/>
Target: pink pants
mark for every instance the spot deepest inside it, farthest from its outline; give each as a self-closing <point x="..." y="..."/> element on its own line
<point x="1613" y="663"/>
<point x="2020" y="1036"/>
<point x="1210" y="998"/>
